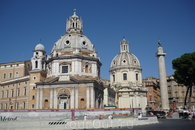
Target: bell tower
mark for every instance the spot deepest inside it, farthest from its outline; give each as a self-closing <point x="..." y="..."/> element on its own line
<point x="38" y="59"/>
<point x="37" y="74"/>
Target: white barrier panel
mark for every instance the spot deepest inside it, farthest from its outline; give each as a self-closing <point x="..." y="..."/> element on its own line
<point x="67" y="125"/>
<point x="26" y="115"/>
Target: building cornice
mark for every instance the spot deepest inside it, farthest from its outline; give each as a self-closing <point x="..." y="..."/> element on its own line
<point x="16" y="80"/>
<point x="74" y="57"/>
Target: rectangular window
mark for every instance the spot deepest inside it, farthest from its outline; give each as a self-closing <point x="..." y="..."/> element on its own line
<point x="124" y="76"/>
<point x="17" y="74"/>
<point x="24" y="90"/>
<point x="4" y="76"/>
<point x="64" y="69"/>
<point x="33" y="97"/>
<point x="10" y="75"/>
<point x="6" y="106"/>
<point x="12" y="92"/>
<point x="18" y="91"/>
<point x="7" y="93"/>
<point x="2" y="93"/>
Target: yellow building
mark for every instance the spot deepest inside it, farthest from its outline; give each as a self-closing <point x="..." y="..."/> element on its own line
<point x="177" y="93"/>
<point x="14" y="82"/>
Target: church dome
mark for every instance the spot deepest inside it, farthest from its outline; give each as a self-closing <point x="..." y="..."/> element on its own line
<point x="39" y="47"/>
<point x="73" y="40"/>
<point x="125" y="59"/>
<point x="74" y="37"/>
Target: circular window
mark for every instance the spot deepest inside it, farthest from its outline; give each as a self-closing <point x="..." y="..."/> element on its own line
<point x="84" y="43"/>
<point x="67" y="42"/>
<point x="124" y="61"/>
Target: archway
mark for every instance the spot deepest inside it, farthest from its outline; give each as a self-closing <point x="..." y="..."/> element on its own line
<point x="64" y="100"/>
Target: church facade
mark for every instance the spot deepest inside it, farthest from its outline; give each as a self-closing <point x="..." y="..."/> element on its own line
<point x="68" y="78"/>
<point x="126" y="79"/>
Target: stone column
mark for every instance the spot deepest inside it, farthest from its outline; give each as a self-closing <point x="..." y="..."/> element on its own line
<point x="136" y="100"/>
<point x="41" y="98"/>
<point x="37" y="102"/>
<point x="76" y="97"/>
<point x="73" y="66"/>
<point x="51" y="98"/>
<point x="55" y="99"/>
<point x="72" y="98"/>
<point x="57" y="68"/>
<point x="92" y="97"/>
<point x="87" y="92"/>
<point x="163" y="80"/>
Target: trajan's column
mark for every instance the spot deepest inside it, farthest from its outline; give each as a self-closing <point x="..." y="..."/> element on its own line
<point x="163" y="80"/>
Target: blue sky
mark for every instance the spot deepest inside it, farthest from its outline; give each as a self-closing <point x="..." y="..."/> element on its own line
<point x="105" y="22"/>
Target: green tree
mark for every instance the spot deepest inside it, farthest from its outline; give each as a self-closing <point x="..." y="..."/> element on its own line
<point x="185" y="72"/>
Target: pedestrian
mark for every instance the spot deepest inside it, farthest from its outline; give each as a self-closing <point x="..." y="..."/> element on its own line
<point x="139" y="115"/>
<point x="190" y="116"/>
<point x="151" y="114"/>
<point x="110" y="117"/>
<point x="85" y="117"/>
<point x="100" y="117"/>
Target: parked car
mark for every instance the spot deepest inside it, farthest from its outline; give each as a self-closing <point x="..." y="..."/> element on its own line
<point x="159" y="114"/>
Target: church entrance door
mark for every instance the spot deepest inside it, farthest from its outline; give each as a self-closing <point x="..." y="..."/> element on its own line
<point x="64" y="101"/>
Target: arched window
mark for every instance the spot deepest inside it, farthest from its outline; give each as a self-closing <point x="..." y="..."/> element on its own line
<point x="124" y="76"/>
<point x="113" y="78"/>
<point x="46" y="104"/>
<point x="136" y="76"/>
<point x="86" y="68"/>
<point x="16" y="74"/>
<point x="36" y="64"/>
<point x="82" y="103"/>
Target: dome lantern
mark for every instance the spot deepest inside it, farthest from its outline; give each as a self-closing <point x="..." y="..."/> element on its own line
<point x="124" y="46"/>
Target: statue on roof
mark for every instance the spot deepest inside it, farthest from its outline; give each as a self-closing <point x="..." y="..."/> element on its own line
<point x="159" y="44"/>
